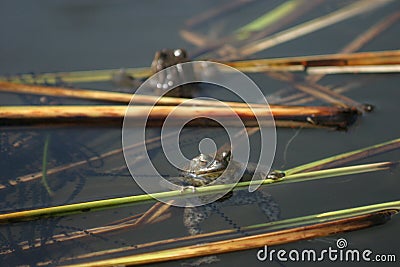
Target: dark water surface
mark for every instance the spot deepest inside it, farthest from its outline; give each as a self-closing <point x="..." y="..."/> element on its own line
<point x="50" y="36"/>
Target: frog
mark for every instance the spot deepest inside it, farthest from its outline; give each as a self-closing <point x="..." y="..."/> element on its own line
<point x="204" y="170"/>
<point x="168" y="57"/>
<point x="162" y="60"/>
<point x="170" y="60"/>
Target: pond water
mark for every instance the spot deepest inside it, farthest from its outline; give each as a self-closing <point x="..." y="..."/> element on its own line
<point x="75" y="35"/>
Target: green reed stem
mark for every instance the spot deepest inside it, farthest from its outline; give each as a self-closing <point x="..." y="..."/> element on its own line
<point x="328" y="216"/>
<point x="268" y="18"/>
<point x="75" y="76"/>
<point x="206" y="190"/>
<point x="345" y="157"/>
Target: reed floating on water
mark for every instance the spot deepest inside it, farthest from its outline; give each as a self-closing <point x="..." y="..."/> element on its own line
<point x="109" y="96"/>
<point x="308" y="63"/>
<point x="113" y="115"/>
<point x="363" y="61"/>
<point x="98" y="205"/>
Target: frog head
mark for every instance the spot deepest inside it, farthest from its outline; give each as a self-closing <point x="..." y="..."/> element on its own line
<point x="168" y="57"/>
<point x="204" y="169"/>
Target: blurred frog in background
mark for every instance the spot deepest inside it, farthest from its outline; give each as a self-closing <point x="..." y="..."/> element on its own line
<point x="163" y="59"/>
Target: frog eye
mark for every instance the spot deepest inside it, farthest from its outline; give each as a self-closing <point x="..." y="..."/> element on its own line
<point x="180" y="53"/>
<point x="203" y="163"/>
<point x="226" y="155"/>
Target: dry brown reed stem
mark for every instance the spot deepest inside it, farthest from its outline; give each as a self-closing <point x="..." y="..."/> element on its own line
<point x="65" y="92"/>
<point x="390" y="57"/>
<point x="155" y="116"/>
<point x="252" y="242"/>
<point x="109" y="96"/>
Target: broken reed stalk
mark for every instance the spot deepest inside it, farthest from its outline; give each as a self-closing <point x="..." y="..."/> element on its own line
<point x="254" y="241"/>
<point x="104" y="204"/>
<point x="344" y="13"/>
<point x="155" y="115"/>
<point x="108" y="96"/>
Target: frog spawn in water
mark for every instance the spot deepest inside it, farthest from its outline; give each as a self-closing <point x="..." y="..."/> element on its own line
<point x="204" y="170"/>
<point x="163" y="59"/>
